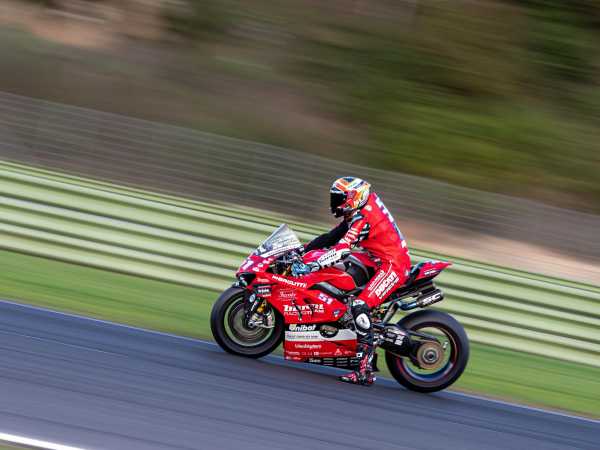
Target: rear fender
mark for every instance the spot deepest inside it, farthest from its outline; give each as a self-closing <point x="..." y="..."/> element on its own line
<point x="430" y="269"/>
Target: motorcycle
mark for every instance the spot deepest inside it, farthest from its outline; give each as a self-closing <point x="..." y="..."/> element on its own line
<point x="425" y="351"/>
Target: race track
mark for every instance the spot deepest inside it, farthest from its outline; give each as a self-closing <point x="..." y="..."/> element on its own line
<point x="97" y="385"/>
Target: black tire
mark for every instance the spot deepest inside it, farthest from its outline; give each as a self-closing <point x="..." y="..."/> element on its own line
<point x="226" y="309"/>
<point x="457" y="361"/>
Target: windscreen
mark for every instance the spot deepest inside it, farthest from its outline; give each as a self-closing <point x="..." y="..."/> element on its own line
<point x="281" y="240"/>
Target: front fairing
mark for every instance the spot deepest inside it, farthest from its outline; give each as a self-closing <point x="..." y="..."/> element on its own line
<point x="255" y="264"/>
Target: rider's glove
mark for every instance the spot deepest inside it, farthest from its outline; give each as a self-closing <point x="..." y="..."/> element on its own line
<point x="314" y="266"/>
<point x="299" y="268"/>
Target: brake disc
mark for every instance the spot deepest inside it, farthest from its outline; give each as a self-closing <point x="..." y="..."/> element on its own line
<point x="430" y="355"/>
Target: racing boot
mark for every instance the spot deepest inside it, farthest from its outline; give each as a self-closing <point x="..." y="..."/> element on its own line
<point x="364" y="375"/>
<point x="364" y="349"/>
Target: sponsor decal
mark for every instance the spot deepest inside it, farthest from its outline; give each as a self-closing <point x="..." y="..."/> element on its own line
<point x="296" y="327"/>
<point x="294" y="283"/>
<point x="386" y="285"/>
<point x="431" y="272"/>
<point x="327" y="331"/>
<point x="431" y="299"/>
<point x="308" y="347"/>
<point x="320" y="336"/>
<point x="292" y="310"/>
<point x="302" y="336"/>
<point x="287" y="294"/>
<point x="394" y="335"/>
<point x="264" y="291"/>
<point x="375" y="281"/>
<point x="319" y="349"/>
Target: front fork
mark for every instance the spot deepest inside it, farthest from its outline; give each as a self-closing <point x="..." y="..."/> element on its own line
<point x="257" y="312"/>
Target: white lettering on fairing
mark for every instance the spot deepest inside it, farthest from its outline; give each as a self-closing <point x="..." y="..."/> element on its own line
<point x="290" y="282"/>
<point x="304" y="309"/>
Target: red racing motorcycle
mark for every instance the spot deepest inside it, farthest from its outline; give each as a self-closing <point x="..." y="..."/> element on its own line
<point x="425" y="351"/>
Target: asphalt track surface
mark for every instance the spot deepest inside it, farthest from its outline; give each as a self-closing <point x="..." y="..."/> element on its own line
<point x="98" y="385"/>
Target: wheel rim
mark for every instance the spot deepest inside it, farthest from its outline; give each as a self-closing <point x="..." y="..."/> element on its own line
<point x="434" y="366"/>
<point x="238" y="332"/>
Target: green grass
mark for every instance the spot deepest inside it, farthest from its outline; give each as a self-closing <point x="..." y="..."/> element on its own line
<point x="492" y="371"/>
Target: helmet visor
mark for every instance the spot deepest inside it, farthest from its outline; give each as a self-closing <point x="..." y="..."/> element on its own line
<point x="337" y="199"/>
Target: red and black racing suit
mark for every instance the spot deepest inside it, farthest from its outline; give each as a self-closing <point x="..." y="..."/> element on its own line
<point x="373" y="228"/>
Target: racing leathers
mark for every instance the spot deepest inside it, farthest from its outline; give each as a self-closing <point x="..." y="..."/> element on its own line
<point x="373" y="228"/>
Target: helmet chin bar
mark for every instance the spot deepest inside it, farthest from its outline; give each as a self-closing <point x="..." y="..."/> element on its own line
<point x="337" y="201"/>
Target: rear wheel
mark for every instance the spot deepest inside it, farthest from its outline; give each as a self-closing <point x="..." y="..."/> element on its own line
<point x="233" y="336"/>
<point x="434" y="365"/>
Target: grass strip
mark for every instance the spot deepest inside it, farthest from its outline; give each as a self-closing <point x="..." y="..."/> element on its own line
<point x="493" y="372"/>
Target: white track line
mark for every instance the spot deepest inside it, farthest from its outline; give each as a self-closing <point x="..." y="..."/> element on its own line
<point x="200" y="341"/>
<point x="21" y="440"/>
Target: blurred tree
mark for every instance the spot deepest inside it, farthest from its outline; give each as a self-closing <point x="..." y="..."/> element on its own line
<point x="501" y="95"/>
<point x="198" y="19"/>
<point x="478" y="93"/>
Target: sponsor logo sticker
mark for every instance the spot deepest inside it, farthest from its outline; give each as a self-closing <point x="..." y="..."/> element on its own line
<point x="297" y="327"/>
<point x="386" y="285"/>
<point x="294" y="283"/>
<point x="292" y="310"/>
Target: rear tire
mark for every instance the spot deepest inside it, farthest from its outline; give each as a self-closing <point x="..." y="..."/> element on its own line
<point x="233" y="337"/>
<point x="458" y="356"/>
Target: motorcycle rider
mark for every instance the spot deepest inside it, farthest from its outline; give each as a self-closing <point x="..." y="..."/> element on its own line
<point x="368" y="223"/>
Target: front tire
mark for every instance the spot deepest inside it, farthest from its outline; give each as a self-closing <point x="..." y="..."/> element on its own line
<point x="226" y="324"/>
<point x="422" y="380"/>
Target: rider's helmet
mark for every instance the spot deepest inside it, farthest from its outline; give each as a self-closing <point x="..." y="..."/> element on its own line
<point x="348" y="194"/>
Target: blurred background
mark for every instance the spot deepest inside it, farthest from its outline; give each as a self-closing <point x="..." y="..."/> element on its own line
<point x="478" y="122"/>
<point x="492" y="97"/>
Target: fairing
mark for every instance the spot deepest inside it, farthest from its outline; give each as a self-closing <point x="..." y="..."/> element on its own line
<point x="309" y="313"/>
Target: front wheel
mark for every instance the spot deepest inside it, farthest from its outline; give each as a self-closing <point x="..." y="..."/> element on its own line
<point x="233" y="336"/>
<point x="434" y="365"/>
